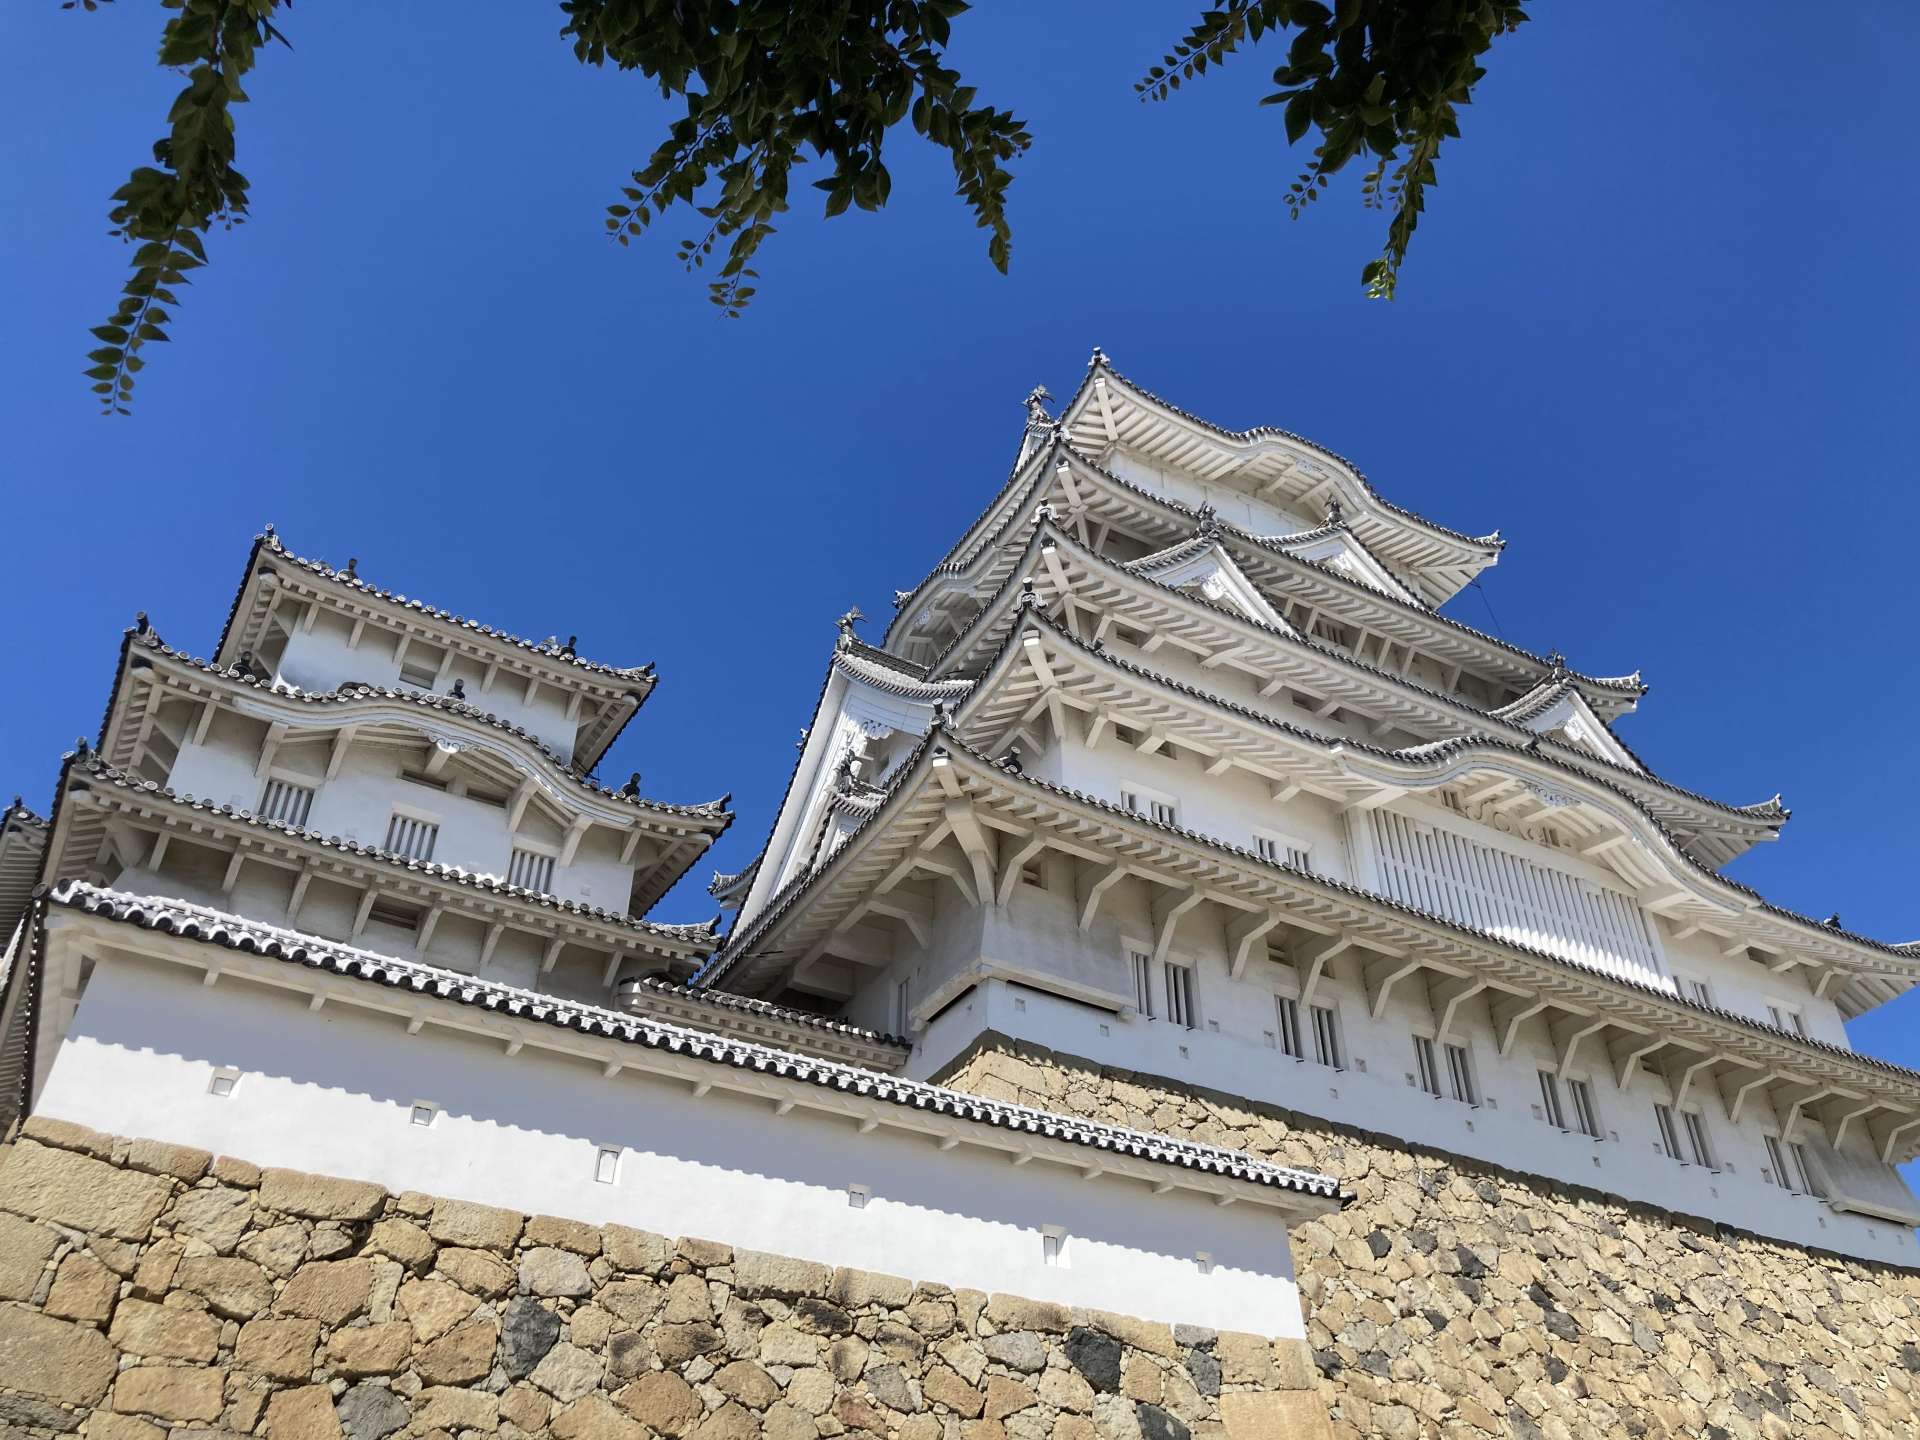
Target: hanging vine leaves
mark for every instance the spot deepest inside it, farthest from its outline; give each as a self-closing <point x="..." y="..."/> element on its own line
<point x="1383" y="77"/>
<point x="769" y="85"/>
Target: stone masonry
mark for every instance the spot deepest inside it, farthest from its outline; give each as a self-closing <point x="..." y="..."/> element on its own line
<point x="1456" y="1299"/>
<point x="150" y="1291"/>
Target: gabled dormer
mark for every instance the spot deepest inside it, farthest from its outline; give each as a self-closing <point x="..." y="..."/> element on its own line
<point x="1334" y="546"/>
<point x="1556" y="710"/>
<point x="1202" y="567"/>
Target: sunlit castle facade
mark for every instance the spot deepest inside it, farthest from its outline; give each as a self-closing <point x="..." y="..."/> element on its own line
<point x="1172" y="764"/>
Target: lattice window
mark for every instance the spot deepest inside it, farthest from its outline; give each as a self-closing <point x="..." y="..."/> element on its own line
<point x="1492" y="889"/>
<point x="1585" y="1118"/>
<point x="286" y="803"/>
<point x="412" y="838"/>
<point x="1287" y="1012"/>
<point x="531" y="870"/>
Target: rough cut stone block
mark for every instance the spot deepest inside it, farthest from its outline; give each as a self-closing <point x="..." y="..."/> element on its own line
<point x="171" y="1392"/>
<point x="567" y="1372"/>
<point x="403" y="1240"/>
<point x="65" y="1135"/>
<point x="370" y="1412"/>
<point x="157" y="1157"/>
<point x="83" y="1289"/>
<point x="433" y="1306"/>
<point x="592" y="1418"/>
<point x="549" y="1271"/>
<point x="229" y="1171"/>
<point x="1011" y="1312"/>
<point x="477" y="1227"/>
<point x="278" y="1349"/>
<point x="330" y="1291"/>
<point x="370" y="1349"/>
<point x="303" y="1414"/>
<point x="1292" y="1415"/>
<point x="143" y="1328"/>
<point x="574" y="1235"/>
<point x="25" y="1249"/>
<point x="232" y="1287"/>
<point x="476" y="1271"/>
<point x="662" y="1401"/>
<point x="450" y="1410"/>
<point x="105" y="1425"/>
<point x="219" y="1216"/>
<point x="526" y="1336"/>
<point x="317" y="1197"/>
<point x="461" y="1356"/>
<point x="52" y="1359"/>
<point x="857" y="1288"/>
<point x="758" y="1273"/>
<point x="80" y="1192"/>
<point x="636" y="1250"/>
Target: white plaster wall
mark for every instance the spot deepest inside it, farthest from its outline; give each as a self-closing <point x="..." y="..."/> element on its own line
<point x="1236" y="507"/>
<point x="320" y="659"/>
<point x="1238" y="1059"/>
<point x="360" y="800"/>
<point x="331" y="1093"/>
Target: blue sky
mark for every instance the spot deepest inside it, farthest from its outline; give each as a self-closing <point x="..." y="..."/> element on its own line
<point x="1659" y="326"/>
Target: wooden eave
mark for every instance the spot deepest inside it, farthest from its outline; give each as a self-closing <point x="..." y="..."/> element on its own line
<point x="102" y="820"/>
<point x="1086" y="592"/>
<point x="601" y="700"/>
<point x="150" y="675"/>
<point x="1043" y="671"/>
<point x="957" y="818"/>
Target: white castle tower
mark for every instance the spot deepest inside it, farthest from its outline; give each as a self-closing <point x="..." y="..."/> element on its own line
<point x="1173" y="764"/>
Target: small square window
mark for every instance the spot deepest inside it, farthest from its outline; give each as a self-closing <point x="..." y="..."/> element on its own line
<point x="223" y="1083"/>
<point x="1053" y="1246"/>
<point x="1203" y="1262"/>
<point x="424" y="1112"/>
<point x="858" y="1195"/>
<point x="606" y="1164"/>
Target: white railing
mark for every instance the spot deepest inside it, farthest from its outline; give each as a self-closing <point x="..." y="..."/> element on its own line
<point x="1441" y="871"/>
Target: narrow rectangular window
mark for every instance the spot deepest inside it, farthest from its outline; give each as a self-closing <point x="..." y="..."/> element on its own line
<point x="1550" y="1107"/>
<point x="1460" y="1075"/>
<point x="1299" y="857"/>
<point x="1053" y="1245"/>
<point x="1283" y="852"/>
<point x="1669" y="1137"/>
<point x="1809" y="1177"/>
<point x="1697" y="1143"/>
<point x="1799" y="1021"/>
<point x="418" y="675"/>
<point x="1288" y="1013"/>
<point x="412" y="839"/>
<point x="1326" y="1037"/>
<point x="1267" y="848"/>
<point x="286" y="803"/>
<point x="1777" y="1163"/>
<point x="1585" y="1118"/>
<point x="1143" y="984"/>
<point x="902" y="1004"/>
<point x="1696" y="990"/>
<point x="1163" y="812"/>
<point x="530" y="870"/>
<point x="1180" y="995"/>
<point x="606" y="1164"/>
<point x="1429" y="1074"/>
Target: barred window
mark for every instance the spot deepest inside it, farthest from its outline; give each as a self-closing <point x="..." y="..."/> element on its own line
<point x="412" y="839"/>
<point x="286" y="803"/>
<point x="530" y="870"/>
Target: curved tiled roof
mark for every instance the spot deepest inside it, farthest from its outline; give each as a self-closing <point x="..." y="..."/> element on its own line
<point x="269" y="540"/>
<point x="95" y="768"/>
<point x="941" y="740"/>
<point x="354" y="690"/>
<point x="1098" y="361"/>
<point x="197" y="923"/>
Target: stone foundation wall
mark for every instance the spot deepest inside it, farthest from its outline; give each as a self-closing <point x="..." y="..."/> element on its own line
<point x="148" y="1290"/>
<point x="1456" y="1299"/>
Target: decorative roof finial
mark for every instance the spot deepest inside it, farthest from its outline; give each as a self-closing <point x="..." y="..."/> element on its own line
<point x="1099" y="357"/>
<point x="853" y="617"/>
<point x="1028" y="596"/>
<point x="900" y="597"/>
<point x="1208" y="517"/>
<point x="632" y="787"/>
<point x="80" y="746"/>
<point x="801" y="743"/>
<point x="1558" y="662"/>
<point x="567" y="649"/>
<point x="1011" y="760"/>
<point x="459" y="689"/>
<point x="268" y="530"/>
<point x="352" y="571"/>
<point x="1042" y="512"/>
<point x="939" y="714"/>
<point x="1833" y="921"/>
<point x="1334" y="511"/>
<point x="140" y="622"/>
<point x="1037" y="401"/>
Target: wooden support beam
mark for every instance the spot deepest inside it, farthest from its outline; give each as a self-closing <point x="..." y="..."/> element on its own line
<point x="494" y="932"/>
<point x="1740" y="1095"/>
<point x="1381" y="976"/>
<point x="427" y="927"/>
<point x="269" y="747"/>
<point x="1893" y="1138"/>
<point x="1166" y="917"/>
<point x="551" y="954"/>
<point x="1626" y="1056"/>
<point x="366" y="909"/>
<point x="1447" y="997"/>
<point x="1684" y="1085"/>
<point x="1243" y="935"/>
<point x="299" y="897"/>
<point x="1857" y="1112"/>
<point x="1105" y="881"/>
<point x="337" y="753"/>
<point x="1310" y="962"/>
<point x="973" y="843"/>
<point x="1508" y="1017"/>
<point x="1567" y="1035"/>
<point x="517" y="806"/>
<point x="232" y="877"/>
<point x="576" y="832"/>
<point x="1014" y="857"/>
